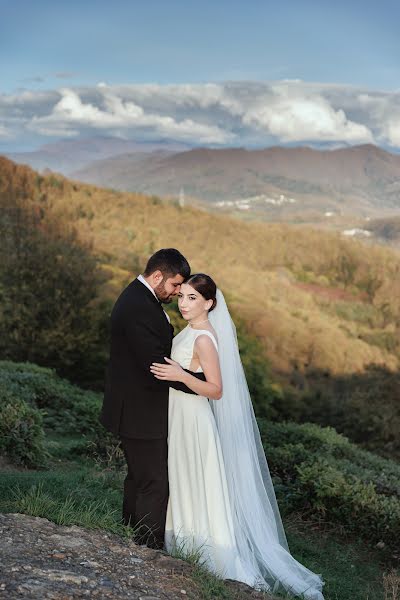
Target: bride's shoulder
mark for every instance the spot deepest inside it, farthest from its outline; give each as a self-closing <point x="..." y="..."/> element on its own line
<point x="206" y="336"/>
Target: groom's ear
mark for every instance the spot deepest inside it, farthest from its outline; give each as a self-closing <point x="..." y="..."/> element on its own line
<point x="157" y="276"/>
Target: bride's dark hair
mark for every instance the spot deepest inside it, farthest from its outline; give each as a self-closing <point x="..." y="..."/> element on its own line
<point x="206" y="286"/>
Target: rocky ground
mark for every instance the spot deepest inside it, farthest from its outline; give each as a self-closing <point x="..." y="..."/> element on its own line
<point x="40" y="560"/>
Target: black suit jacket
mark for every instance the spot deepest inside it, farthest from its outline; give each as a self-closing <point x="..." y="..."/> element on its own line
<point x="135" y="402"/>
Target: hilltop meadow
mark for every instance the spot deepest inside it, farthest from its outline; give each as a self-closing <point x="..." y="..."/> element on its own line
<point x="318" y="319"/>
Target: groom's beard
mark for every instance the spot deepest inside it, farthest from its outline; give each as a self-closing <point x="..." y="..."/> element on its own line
<point x="162" y="295"/>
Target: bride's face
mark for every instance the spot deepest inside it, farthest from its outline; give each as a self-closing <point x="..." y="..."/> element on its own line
<point x="192" y="304"/>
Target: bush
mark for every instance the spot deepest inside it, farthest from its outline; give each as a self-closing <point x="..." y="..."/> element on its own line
<point x="319" y="471"/>
<point x="21" y="432"/>
<point x="65" y="407"/>
<point x="364" y="407"/>
<point x="358" y="312"/>
<point x="388" y="340"/>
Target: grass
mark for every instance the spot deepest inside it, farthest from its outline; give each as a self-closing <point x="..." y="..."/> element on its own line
<point x="70" y="491"/>
<point x="67" y="511"/>
<point x="75" y="490"/>
<point x="211" y="586"/>
<point x="391" y="585"/>
<point x="349" y="569"/>
<point x="64" y="497"/>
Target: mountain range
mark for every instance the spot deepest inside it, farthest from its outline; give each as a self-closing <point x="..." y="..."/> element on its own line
<point x="336" y="187"/>
<point x="66" y="156"/>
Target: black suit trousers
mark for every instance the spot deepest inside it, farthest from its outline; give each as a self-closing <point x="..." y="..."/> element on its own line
<point x="146" y="489"/>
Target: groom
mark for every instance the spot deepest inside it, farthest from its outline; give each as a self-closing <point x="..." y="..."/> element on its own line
<point x="135" y="406"/>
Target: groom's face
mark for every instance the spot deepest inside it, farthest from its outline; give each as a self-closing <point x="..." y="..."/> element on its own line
<point x="168" y="288"/>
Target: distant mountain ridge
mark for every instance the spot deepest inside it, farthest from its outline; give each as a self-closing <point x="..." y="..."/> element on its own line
<point x="363" y="176"/>
<point x="294" y="184"/>
<point x="66" y="156"/>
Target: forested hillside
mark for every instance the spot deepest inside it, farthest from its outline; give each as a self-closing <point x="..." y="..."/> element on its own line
<point x="323" y="311"/>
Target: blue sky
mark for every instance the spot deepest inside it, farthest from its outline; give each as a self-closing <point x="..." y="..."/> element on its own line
<point x="172" y="41"/>
<point x="48" y="45"/>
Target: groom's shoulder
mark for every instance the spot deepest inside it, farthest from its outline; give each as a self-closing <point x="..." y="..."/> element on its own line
<point x="131" y="291"/>
<point x="135" y="294"/>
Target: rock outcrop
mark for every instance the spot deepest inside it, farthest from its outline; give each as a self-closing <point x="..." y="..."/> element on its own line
<point x="41" y="560"/>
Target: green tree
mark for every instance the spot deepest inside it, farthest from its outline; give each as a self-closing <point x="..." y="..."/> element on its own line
<point x="50" y="311"/>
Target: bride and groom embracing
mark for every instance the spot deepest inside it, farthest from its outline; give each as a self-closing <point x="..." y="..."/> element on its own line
<point x="198" y="479"/>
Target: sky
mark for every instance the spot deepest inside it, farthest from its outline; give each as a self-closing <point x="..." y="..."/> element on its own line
<point x="215" y="72"/>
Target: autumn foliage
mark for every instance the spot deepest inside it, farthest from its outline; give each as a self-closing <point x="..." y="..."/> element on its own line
<point x="49" y="285"/>
<point x="318" y="308"/>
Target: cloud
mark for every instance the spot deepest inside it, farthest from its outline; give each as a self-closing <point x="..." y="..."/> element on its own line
<point x="230" y="113"/>
<point x="64" y="75"/>
<point x="44" y="77"/>
<point x="117" y="114"/>
<point x="35" y="79"/>
<point x="4" y="132"/>
<point x="292" y="115"/>
<point x="384" y="112"/>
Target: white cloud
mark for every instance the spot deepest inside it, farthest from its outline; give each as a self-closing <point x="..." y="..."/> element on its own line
<point x="392" y="131"/>
<point x="239" y="113"/>
<point x="384" y="111"/>
<point x="295" y="115"/>
<point x="116" y="114"/>
<point x="27" y="98"/>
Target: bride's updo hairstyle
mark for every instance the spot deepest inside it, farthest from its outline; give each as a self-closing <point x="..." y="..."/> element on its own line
<point x="205" y="286"/>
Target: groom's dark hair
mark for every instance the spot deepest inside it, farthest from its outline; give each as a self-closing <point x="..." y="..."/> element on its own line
<point x="170" y="262"/>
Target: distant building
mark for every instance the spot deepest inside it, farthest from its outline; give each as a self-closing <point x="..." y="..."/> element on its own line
<point x="356" y="231"/>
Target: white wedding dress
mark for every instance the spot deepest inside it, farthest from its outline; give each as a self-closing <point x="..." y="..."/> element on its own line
<point x="222" y="506"/>
<point x="199" y="515"/>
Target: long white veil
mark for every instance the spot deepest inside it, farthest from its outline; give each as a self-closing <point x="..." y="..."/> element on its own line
<point x="259" y="533"/>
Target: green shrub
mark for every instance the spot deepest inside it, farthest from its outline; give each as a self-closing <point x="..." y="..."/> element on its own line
<point x="365" y="407"/>
<point x="388" y="340"/>
<point x="319" y="471"/>
<point x="360" y="312"/>
<point x="65" y="407"/>
<point x="21" y="432"/>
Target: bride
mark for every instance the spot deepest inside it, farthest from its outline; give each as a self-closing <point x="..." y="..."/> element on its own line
<point x="222" y="504"/>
